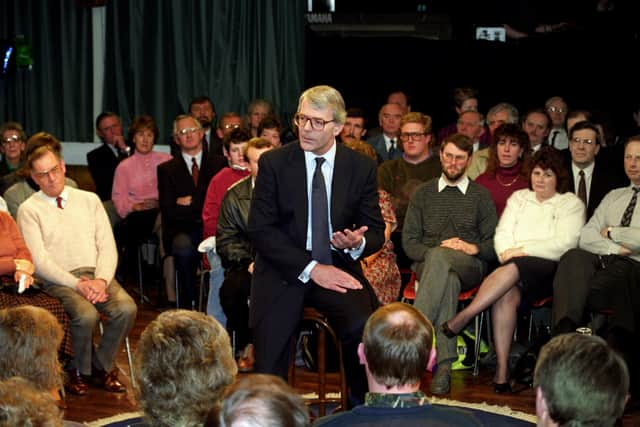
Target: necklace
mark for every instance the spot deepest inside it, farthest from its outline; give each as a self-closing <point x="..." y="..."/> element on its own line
<point x="508" y="184"/>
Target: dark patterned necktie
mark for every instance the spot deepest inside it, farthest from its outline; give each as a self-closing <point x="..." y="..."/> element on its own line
<point x="195" y="171"/>
<point x="320" y="249"/>
<point x="59" y="202"/>
<point x="628" y="213"/>
<point x="582" y="188"/>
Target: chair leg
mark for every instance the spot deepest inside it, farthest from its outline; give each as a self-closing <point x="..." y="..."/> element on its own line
<point x="130" y="360"/>
<point x="476" y="364"/>
<point x="140" y="274"/>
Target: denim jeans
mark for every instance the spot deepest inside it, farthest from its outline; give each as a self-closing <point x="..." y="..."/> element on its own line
<point x="216" y="277"/>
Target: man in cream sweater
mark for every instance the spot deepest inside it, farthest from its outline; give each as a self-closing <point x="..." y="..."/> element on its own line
<point x="68" y="233"/>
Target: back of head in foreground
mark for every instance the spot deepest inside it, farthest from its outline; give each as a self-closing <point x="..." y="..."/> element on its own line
<point x="30" y="337"/>
<point x="262" y="400"/>
<point x="183" y="363"/>
<point x="22" y="404"/>
<point x="580" y="382"/>
<point x="396" y="344"/>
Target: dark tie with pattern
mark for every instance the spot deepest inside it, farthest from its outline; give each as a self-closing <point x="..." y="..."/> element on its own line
<point x="59" y="202"/>
<point x="392" y="148"/>
<point x="582" y="188"/>
<point x="320" y="249"/>
<point x="628" y="213"/>
<point x="195" y="171"/>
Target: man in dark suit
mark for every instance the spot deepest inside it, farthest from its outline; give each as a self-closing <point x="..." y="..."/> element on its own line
<point x="584" y="146"/>
<point x="182" y="185"/>
<point x="297" y="264"/>
<point x="386" y="142"/>
<point x="102" y="161"/>
<point x="202" y="109"/>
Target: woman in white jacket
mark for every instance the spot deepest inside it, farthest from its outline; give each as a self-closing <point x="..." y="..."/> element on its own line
<point x="537" y="227"/>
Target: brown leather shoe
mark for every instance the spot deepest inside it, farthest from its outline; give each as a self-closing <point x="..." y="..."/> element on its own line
<point x="76" y="383"/>
<point x="247" y="360"/>
<point x="108" y="380"/>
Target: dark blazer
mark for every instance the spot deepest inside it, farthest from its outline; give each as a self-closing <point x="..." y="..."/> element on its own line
<point x="102" y="164"/>
<point x="174" y="180"/>
<point x="278" y="219"/>
<point x="378" y="143"/>
<point x="602" y="181"/>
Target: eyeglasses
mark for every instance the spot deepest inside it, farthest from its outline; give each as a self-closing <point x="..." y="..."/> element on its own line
<point x="553" y="109"/>
<point x="405" y="136"/>
<point x="578" y="140"/>
<point x="54" y="171"/>
<point x="317" y="123"/>
<point x="448" y="157"/>
<point x="12" y="139"/>
<point x="188" y="131"/>
<point x="230" y="126"/>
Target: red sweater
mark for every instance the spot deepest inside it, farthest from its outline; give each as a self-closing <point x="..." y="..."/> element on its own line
<point x="503" y="184"/>
<point x="219" y="185"/>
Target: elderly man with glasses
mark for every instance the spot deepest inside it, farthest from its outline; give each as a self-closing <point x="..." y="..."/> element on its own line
<point x="182" y="185"/>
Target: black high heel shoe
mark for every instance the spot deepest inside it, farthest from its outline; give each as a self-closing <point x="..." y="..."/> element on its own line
<point x="444" y="328"/>
<point x="502" y="388"/>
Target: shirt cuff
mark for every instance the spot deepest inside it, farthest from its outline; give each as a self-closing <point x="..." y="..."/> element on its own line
<point x="356" y="252"/>
<point x="305" y="276"/>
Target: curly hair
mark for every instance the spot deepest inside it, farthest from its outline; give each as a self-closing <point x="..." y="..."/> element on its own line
<point x="30" y="338"/>
<point x="183" y="363"/>
<point x="22" y="404"/>
<point x="515" y="132"/>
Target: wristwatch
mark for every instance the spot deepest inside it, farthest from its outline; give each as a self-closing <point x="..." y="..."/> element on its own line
<point x="609" y="232"/>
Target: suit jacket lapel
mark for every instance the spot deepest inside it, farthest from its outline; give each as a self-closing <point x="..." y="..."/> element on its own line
<point x="338" y="185"/>
<point x="299" y="191"/>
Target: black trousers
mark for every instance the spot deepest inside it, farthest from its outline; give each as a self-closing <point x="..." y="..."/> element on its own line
<point x="234" y="298"/>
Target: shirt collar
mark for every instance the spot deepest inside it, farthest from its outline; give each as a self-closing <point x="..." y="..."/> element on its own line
<point x="52" y="200"/>
<point x="462" y="184"/>
<point x="588" y="171"/>
<point x="329" y="156"/>
<point x="187" y="158"/>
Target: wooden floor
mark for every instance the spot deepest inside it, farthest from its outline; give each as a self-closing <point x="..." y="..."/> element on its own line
<point x="464" y="387"/>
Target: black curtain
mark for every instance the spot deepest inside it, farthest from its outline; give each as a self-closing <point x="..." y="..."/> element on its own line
<point x="162" y="53"/>
<point x="55" y="94"/>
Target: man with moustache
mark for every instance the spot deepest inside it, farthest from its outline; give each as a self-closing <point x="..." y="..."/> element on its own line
<point x="448" y="233"/>
<point x="354" y="126"/>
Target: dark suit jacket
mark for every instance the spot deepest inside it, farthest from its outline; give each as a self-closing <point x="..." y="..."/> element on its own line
<point x="174" y="180"/>
<point x="377" y="142"/>
<point x="102" y="166"/>
<point x="602" y="181"/>
<point x="278" y="218"/>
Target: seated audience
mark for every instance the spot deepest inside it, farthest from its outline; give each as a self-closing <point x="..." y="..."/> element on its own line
<point x="579" y="381"/>
<point x="12" y="146"/>
<point x="233" y="145"/>
<point x="381" y="268"/>
<point x="182" y="185"/>
<point x="261" y="400"/>
<point x="16" y="263"/>
<point x="24" y="186"/>
<point x="448" y="233"/>
<point x="70" y="238"/>
<point x="182" y="365"/>
<point x="386" y="142"/>
<point x="271" y="128"/>
<point x="355" y="127"/>
<point x="537" y="227"/>
<point x="396" y="350"/>
<point x="102" y="161"/>
<point x="237" y="255"/>
<point x="257" y="110"/>
<point x="602" y="274"/>
<point x="464" y="99"/>
<point x="506" y="169"/>
<point x="135" y="187"/>
<point x="30" y="338"/>
<point x="22" y="404"/>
